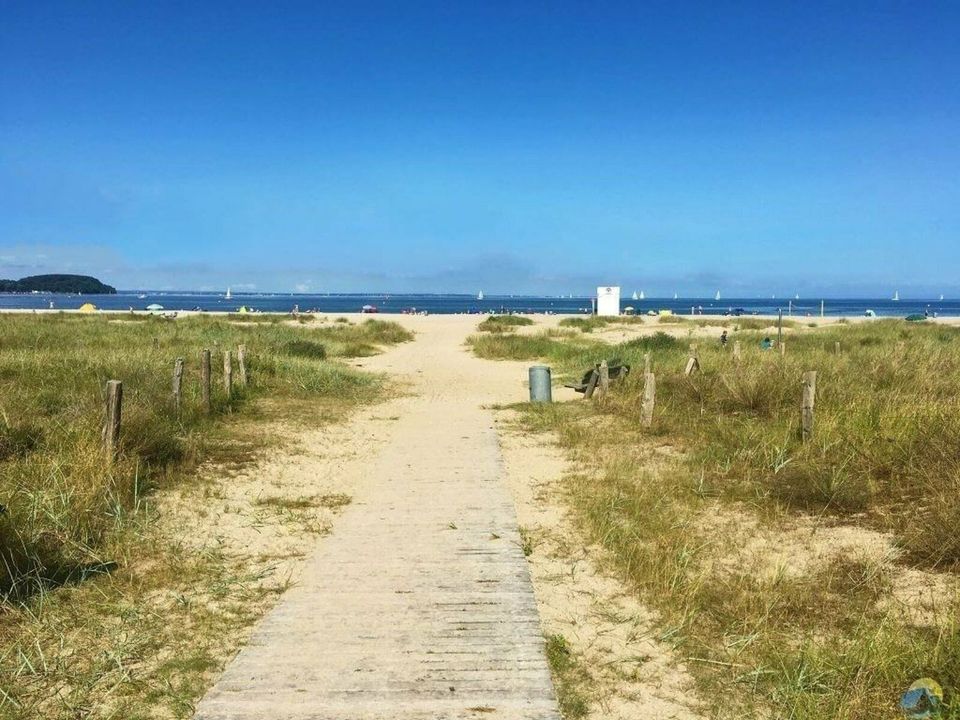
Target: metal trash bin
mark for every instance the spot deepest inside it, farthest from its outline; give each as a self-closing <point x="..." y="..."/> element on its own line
<point x="540" y="384"/>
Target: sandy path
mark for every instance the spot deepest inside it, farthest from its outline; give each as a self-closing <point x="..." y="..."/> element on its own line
<point x="420" y="603"/>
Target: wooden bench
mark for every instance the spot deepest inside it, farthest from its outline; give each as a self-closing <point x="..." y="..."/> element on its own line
<point x="588" y="383"/>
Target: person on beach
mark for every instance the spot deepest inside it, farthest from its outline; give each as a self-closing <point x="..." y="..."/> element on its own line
<point x="723" y="339"/>
<point x="766" y="344"/>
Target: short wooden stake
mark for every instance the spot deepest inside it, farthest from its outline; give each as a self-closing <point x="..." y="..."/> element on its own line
<point x="736" y="351"/>
<point x="111" y="429"/>
<point x="228" y="372"/>
<point x="809" y="400"/>
<point x="205" y="381"/>
<point x="591" y="384"/>
<point x="836" y="347"/>
<point x="649" y="399"/>
<point x="783" y="349"/>
<point x="242" y="365"/>
<point x="178" y="384"/>
<point x="604" y="380"/>
<point x="693" y="362"/>
<point x="646" y="363"/>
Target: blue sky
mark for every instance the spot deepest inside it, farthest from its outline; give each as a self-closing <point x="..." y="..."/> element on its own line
<point x="515" y="147"/>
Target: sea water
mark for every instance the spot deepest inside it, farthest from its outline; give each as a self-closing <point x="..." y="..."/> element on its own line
<point x="462" y="303"/>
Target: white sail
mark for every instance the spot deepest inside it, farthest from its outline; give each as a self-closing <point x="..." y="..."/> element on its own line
<point x="941" y="297"/>
<point x="642" y="296"/>
<point x="675" y="296"/>
<point x="717" y="296"/>
<point x="635" y="296"/>
<point x="480" y="295"/>
<point x="229" y="294"/>
<point x="797" y="296"/>
<point x="896" y="295"/>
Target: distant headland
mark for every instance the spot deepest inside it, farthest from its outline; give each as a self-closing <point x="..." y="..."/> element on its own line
<point x="83" y="284"/>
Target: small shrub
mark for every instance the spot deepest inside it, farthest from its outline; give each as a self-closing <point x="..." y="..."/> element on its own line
<point x="306" y="349"/>
<point x="592" y="322"/>
<point x="657" y="341"/>
<point x="503" y="323"/>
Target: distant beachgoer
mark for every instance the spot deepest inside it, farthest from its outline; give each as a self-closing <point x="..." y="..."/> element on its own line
<point x="723" y="339"/>
<point x="766" y="344"/>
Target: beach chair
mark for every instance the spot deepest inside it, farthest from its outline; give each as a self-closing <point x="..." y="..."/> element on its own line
<point x="588" y="383"/>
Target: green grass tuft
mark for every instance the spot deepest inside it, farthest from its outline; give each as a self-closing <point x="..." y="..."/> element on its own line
<point x="503" y="323"/>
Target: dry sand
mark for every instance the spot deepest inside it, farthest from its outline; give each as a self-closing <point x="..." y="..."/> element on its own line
<point x="432" y="520"/>
<point x="432" y="491"/>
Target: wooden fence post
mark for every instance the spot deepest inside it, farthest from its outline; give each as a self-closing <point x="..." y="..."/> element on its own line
<point x="736" y="351"/>
<point x="205" y="381"/>
<point x="649" y="399"/>
<point x="693" y="361"/>
<point x="111" y="428"/>
<point x="783" y="349"/>
<point x="809" y="401"/>
<point x="242" y="364"/>
<point x="178" y="384"/>
<point x="228" y="373"/>
<point x="646" y="363"/>
<point x="836" y="347"/>
<point x="604" y="380"/>
<point x="591" y="384"/>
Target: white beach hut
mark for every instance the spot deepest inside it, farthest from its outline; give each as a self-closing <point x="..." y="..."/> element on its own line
<point x="608" y="301"/>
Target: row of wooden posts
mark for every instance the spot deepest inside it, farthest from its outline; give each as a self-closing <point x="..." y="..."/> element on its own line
<point x="111" y="429"/>
<point x="601" y="382"/>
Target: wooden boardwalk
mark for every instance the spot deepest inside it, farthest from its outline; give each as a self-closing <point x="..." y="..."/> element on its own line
<point x="419" y="605"/>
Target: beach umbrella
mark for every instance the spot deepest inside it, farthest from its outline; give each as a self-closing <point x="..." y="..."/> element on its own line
<point x="154" y="307"/>
<point x="88" y="308"/>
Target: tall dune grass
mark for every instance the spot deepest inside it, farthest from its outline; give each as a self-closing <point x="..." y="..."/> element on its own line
<point x="60" y="498"/>
<point x="829" y="642"/>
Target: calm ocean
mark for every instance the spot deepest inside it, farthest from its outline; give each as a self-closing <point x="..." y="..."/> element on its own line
<point x="446" y="304"/>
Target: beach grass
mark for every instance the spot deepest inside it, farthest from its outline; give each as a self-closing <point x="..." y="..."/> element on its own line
<point x="590" y="323"/>
<point x="503" y="323"/>
<point x="795" y="579"/>
<point x="72" y="520"/>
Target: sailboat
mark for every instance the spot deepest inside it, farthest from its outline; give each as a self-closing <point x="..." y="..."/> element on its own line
<point x="229" y="294"/>
<point x="635" y="296"/>
<point x="642" y="296"/>
<point x="941" y="297"/>
<point x="797" y="296"/>
<point x="676" y="297"/>
<point x="480" y="295"/>
<point x="717" y="296"/>
<point x="896" y="296"/>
